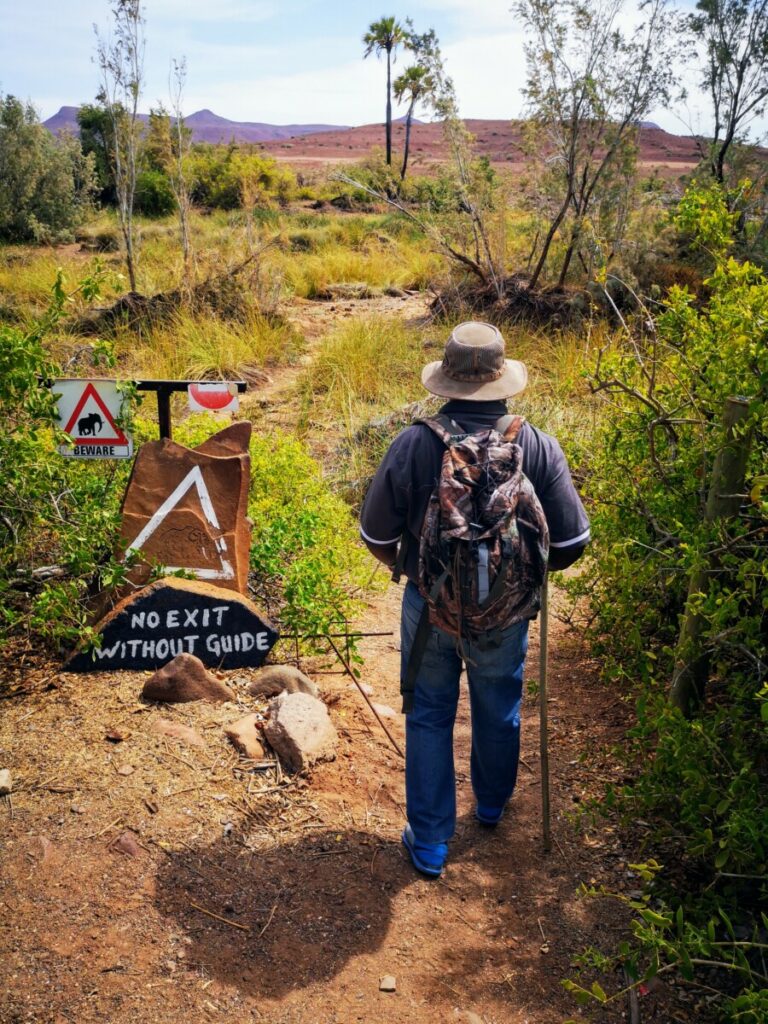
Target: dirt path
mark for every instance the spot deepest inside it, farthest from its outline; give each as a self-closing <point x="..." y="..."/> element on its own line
<point x="146" y="880"/>
<point x="319" y="900"/>
<point x="274" y="402"/>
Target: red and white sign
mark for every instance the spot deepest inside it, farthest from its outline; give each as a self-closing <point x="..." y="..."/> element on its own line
<point x="213" y="396"/>
<point x="88" y="411"/>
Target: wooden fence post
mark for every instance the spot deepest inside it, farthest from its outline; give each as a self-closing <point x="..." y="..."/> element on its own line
<point x="725" y="497"/>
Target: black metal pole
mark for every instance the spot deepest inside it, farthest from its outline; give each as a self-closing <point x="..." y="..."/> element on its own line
<point x="164" y="413"/>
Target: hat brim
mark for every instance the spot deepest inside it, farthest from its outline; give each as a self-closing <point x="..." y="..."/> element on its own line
<point x="511" y="382"/>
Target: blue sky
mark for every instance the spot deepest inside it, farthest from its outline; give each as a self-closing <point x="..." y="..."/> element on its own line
<point x="279" y="61"/>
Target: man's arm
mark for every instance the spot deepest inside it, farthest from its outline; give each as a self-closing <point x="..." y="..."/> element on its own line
<point x="384" y="512"/>
<point x="569" y="532"/>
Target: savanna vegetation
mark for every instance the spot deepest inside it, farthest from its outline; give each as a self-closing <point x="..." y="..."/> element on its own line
<point x="639" y="302"/>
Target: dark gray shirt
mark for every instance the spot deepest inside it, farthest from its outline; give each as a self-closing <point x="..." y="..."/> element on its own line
<point x="399" y="493"/>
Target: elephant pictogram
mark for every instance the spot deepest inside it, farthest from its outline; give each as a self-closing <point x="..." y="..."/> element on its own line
<point x="88" y="424"/>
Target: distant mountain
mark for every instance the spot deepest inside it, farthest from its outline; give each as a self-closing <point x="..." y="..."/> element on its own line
<point x="209" y="127"/>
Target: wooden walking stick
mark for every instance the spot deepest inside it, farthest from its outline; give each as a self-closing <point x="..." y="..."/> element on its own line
<point x="543" y="747"/>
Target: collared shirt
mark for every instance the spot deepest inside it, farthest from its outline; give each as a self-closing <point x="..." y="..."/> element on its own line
<point x="397" y="498"/>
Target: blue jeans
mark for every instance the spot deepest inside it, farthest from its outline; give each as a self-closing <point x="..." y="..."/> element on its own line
<point x="495" y="692"/>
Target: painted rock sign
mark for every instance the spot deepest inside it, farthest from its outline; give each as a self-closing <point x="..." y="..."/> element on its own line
<point x="185" y="508"/>
<point x="89" y="411"/>
<point x="174" y="616"/>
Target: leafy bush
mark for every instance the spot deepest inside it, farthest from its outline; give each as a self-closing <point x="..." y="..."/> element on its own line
<point x="704" y="782"/>
<point x="58" y="516"/>
<point x="47" y="184"/>
<point x="154" y="194"/>
<point x="305" y="538"/>
<point x="229" y="177"/>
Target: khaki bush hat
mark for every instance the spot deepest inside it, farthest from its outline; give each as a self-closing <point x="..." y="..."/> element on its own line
<point x="474" y="366"/>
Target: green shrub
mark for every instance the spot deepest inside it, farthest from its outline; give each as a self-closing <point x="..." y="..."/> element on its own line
<point x="228" y="177"/>
<point x="58" y="516"/>
<point x="46" y="184"/>
<point x="704" y="782"/>
<point x="154" y="194"/>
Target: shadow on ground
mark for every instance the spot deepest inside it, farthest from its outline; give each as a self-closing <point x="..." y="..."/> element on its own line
<point x="294" y="915"/>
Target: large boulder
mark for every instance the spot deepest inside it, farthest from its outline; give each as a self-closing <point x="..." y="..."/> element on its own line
<point x="300" y="730"/>
<point x="185" y="678"/>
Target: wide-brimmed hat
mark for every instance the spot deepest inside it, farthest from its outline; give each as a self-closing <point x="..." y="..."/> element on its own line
<point x="474" y="366"/>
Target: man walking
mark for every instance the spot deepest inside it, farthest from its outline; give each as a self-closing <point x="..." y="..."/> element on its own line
<point x="477" y="379"/>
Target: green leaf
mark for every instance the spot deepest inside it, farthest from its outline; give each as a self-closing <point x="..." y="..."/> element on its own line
<point x="656" y="919"/>
<point x="598" y="992"/>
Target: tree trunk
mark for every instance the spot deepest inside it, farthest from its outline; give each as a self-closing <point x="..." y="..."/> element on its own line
<point x="723" y="501"/>
<point x="389" y="108"/>
<point x="548" y="241"/>
<point x="408" y="120"/>
<point x="567" y="259"/>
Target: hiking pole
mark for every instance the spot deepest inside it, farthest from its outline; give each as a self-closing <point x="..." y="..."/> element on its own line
<point x="543" y="747"/>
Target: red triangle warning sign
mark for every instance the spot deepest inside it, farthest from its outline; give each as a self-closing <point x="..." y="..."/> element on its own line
<point x="86" y="427"/>
<point x="88" y="411"/>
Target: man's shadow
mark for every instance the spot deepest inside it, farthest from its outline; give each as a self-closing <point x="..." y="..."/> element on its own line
<point x="293" y="915"/>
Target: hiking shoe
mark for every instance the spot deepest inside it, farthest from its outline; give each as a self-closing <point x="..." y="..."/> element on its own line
<point x="428" y="858"/>
<point x="489" y="816"/>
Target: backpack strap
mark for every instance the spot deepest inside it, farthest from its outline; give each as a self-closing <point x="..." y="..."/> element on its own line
<point x="402" y="554"/>
<point x="446" y="429"/>
<point x="419" y="646"/>
<point x="509" y="427"/>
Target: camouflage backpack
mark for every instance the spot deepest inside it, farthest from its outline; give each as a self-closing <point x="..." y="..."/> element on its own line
<point x="484" y="541"/>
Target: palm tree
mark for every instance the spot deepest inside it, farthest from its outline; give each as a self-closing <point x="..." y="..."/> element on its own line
<point x="384" y="36"/>
<point x="415" y="84"/>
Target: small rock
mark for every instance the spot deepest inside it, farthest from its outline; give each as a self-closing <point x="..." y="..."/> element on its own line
<point x="6" y="783"/>
<point x="387" y="983"/>
<point x="300" y="730"/>
<point x="183" y="679"/>
<point x="114" y="736"/>
<point x="47" y="850"/>
<point x="245" y="736"/>
<point x="126" y="843"/>
<point x="126" y="769"/>
<point x="385" y="710"/>
<point x="77" y="809"/>
<point x="275" y="679"/>
<point x="368" y="690"/>
<point x="177" y="731"/>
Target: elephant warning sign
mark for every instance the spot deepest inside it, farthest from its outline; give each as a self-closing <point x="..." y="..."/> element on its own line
<point x="89" y="411"/>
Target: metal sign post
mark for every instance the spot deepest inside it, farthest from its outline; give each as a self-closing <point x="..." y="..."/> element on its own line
<point x="89" y="411"/>
<point x="164" y="389"/>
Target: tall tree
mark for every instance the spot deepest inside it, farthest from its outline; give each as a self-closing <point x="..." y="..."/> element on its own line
<point x="734" y="34"/>
<point x="415" y="84"/>
<point x="182" y="140"/>
<point x="95" y="138"/>
<point x="384" y="36"/>
<point x="590" y="84"/>
<point x="120" y="58"/>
